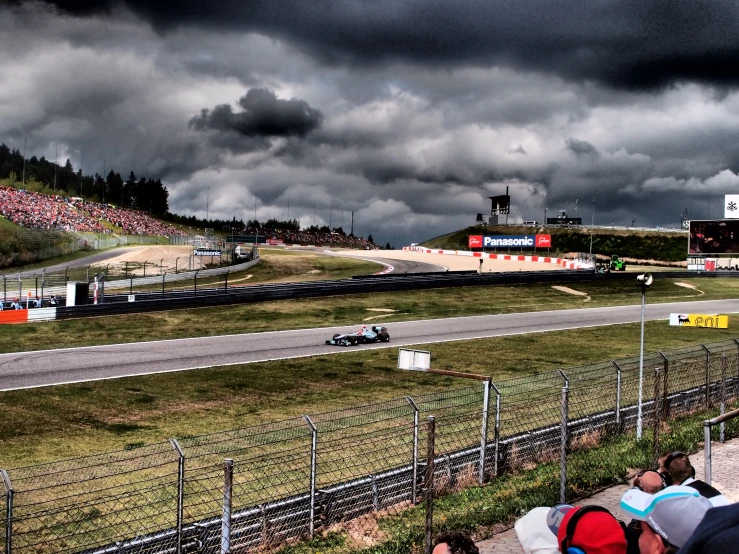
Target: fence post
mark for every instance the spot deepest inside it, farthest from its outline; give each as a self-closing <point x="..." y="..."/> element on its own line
<point x="313" y="460"/>
<point x="180" y="491"/>
<point x="618" y="396"/>
<point x="228" y="471"/>
<point x="414" y="482"/>
<point x="225" y="287"/>
<point x="130" y="287"/>
<point x="657" y="412"/>
<point x="708" y="376"/>
<point x="563" y="439"/>
<point x="722" y="407"/>
<point x="707" y="452"/>
<point x="430" y="453"/>
<point x="196" y="281"/>
<point x="484" y="431"/>
<point x="497" y="428"/>
<point x="163" y="276"/>
<point x="665" y="382"/>
<point x="9" y="494"/>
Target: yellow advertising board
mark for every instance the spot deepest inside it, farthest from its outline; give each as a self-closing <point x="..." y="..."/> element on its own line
<point x="713" y="321"/>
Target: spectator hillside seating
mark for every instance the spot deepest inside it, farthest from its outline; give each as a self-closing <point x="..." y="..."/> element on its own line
<point x="306" y="237"/>
<point x="42" y="211"/>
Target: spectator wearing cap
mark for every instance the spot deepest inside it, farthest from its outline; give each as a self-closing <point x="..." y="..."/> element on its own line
<point x="455" y="542"/>
<point x="571" y="530"/>
<point x="15" y="305"/>
<point x="718" y="532"/>
<point x="668" y="517"/>
<point x="677" y="465"/>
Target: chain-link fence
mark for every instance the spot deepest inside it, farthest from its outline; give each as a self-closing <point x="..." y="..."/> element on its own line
<point x="384" y="477"/>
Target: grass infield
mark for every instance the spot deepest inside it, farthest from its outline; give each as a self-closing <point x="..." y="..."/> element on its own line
<point x="51" y="423"/>
<point x="73" y="420"/>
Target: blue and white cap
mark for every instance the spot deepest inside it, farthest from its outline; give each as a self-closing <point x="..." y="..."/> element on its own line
<point x="673" y="513"/>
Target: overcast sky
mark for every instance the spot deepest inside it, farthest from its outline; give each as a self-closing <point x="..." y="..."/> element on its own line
<point x="408" y="112"/>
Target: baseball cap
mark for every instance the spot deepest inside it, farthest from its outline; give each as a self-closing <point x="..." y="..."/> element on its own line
<point x="537" y="530"/>
<point x="596" y="531"/>
<point x="718" y="532"/>
<point x="673" y="513"/>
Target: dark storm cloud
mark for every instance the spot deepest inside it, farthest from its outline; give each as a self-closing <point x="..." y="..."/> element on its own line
<point x="263" y="115"/>
<point x="624" y="44"/>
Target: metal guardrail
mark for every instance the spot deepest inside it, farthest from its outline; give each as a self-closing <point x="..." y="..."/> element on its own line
<point x="201" y="298"/>
<point x="707" y="425"/>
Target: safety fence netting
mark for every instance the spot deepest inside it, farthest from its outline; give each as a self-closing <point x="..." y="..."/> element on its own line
<point x="383" y="477"/>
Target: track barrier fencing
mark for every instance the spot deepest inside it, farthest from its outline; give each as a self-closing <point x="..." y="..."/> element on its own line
<point x="383" y="477"/>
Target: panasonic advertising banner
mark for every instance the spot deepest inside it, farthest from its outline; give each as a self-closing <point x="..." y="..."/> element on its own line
<point x="510" y="241"/>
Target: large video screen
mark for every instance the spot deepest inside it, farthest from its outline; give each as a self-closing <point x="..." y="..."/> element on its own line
<point x="714" y="237"/>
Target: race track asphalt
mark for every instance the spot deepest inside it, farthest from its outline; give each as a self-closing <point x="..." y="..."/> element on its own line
<point x="51" y="367"/>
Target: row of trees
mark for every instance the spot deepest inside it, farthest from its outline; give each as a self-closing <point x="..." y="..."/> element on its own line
<point x="42" y="175"/>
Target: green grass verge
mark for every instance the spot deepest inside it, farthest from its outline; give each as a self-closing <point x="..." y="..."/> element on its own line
<point x="52" y="423"/>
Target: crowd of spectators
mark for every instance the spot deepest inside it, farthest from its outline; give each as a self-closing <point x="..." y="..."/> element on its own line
<point x="289" y="236"/>
<point x="672" y="513"/>
<point x="42" y="211"/>
<point x="34" y="210"/>
<point x="132" y="222"/>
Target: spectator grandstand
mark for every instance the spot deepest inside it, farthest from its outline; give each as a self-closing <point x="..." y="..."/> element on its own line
<point x="34" y="210"/>
<point x="289" y="236"/>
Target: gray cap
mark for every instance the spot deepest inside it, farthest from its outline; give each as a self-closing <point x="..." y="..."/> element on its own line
<point x="673" y="513"/>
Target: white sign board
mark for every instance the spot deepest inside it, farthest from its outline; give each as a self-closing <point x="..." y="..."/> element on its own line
<point x="415" y="360"/>
<point x="731" y="206"/>
<point x="132" y="298"/>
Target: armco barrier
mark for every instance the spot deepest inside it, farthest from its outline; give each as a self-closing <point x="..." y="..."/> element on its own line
<point x="359" y="285"/>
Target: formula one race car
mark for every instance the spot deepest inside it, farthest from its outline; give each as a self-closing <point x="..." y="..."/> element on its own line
<point x="364" y="336"/>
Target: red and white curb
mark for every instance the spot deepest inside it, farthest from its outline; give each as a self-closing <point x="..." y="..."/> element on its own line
<point x="569" y="264"/>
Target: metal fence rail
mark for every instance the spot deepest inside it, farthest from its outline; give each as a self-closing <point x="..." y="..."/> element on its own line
<point x="367" y="476"/>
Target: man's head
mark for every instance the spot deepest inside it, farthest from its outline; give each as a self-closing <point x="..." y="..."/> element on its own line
<point x="455" y="542"/>
<point x="649" y="481"/>
<point x="591" y="529"/>
<point x="668" y="517"/>
<point x="678" y="466"/>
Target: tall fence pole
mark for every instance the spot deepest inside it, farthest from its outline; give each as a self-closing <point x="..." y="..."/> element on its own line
<point x="563" y="439"/>
<point x="484" y="430"/>
<point x="180" y="491"/>
<point x="313" y="465"/>
<point x="618" y="395"/>
<point x="708" y="376"/>
<point x="430" y="453"/>
<point x="707" y="452"/>
<point x="228" y="475"/>
<point x="722" y="407"/>
<point x="414" y="482"/>
<point x="497" y="429"/>
<point x="665" y="388"/>
<point x="657" y="412"/>
<point x="9" y="494"/>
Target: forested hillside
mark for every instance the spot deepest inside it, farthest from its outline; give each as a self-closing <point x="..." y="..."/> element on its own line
<point x="42" y="175"/>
